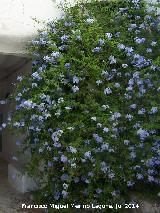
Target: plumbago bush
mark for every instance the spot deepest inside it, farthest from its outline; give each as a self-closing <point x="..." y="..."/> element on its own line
<point x="90" y="108"/>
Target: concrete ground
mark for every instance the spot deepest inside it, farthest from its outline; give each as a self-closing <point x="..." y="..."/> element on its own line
<point x="10" y="199"/>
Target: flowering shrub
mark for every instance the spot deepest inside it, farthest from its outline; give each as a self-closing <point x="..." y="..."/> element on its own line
<point x="91" y="105"/>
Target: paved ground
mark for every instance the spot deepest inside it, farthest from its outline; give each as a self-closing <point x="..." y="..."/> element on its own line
<point x="11" y="200"/>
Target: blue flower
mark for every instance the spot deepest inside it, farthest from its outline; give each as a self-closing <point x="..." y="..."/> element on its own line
<point x="154" y="110"/>
<point x="36" y="76"/>
<point x="57" y="144"/>
<point x="149" y="50"/>
<point x="142" y="133"/>
<point x="130" y="88"/>
<point x="151" y="171"/>
<point x="64" y="159"/>
<point x="117" y="85"/>
<point x="55" y="137"/>
<point x="44" y="33"/>
<point x="126" y="142"/>
<point x="72" y="149"/>
<point x="64" y="194"/>
<point x="57" y="195"/>
<point x="142" y="26"/>
<point x="140" y="62"/>
<point x="76" y="79"/>
<point x="98" y="82"/>
<point x="136" y="125"/>
<point x="137" y="17"/>
<point x="129" y="50"/>
<point x="78" y="37"/>
<point x="133" y="106"/>
<point x="117" y="34"/>
<point x="96" y="49"/>
<point x="64" y="38"/>
<point x="87" y="154"/>
<point x="124" y="65"/>
<point x="42" y="41"/>
<point x="133" y="26"/>
<point x="64" y="177"/>
<point x="75" y="89"/>
<point x="115" y="116"/>
<point x="105" y="129"/>
<point x="129" y="117"/>
<point x="111" y="175"/>
<point x="63" y="47"/>
<point x="148" y="17"/>
<point x="67" y="65"/>
<point x="28" y="104"/>
<point x="115" y="193"/>
<point x="107" y="91"/>
<point x="76" y="179"/>
<point x="104" y="146"/>
<point x="154" y="161"/>
<point x="98" y="138"/>
<point x="131" y="82"/>
<point x="151" y="178"/>
<point x="68" y="24"/>
<point x="109" y="35"/>
<point x="133" y="155"/>
<point x="55" y="54"/>
<point x="50" y="164"/>
<point x="104" y="167"/>
<point x="141" y="111"/>
<point x="121" y="46"/>
<point x="91" y="174"/>
<point x="139" y="40"/>
<point x="47" y="58"/>
<point x="153" y="43"/>
<point x="112" y="59"/>
<point x="101" y="41"/>
<point x="90" y="21"/>
<point x="19" y="78"/>
<point x="34" y="85"/>
<point x="99" y="191"/>
<point x="139" y="176"/>
<point x="130" y="183"/>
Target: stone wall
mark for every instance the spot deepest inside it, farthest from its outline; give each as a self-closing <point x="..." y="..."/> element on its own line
<point x="9" y="139"/>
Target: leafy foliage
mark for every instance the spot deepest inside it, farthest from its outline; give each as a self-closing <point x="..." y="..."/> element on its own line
<point x="91" y="106"/>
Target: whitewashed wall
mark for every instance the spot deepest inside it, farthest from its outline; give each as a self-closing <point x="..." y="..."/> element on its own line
<point x="17" y="25"/>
